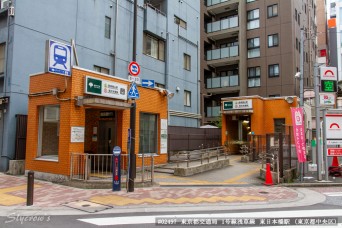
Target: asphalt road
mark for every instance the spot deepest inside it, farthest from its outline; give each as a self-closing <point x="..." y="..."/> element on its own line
<point x="331" y="209"/>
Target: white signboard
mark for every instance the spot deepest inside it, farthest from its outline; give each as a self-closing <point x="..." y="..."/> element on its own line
<point x="77" y="134"/>
<point x="163" y="136"/>
<point x="328" y="73"/>
<point x="242" y="104"/>
<point x="99" y="87"/>
<point x="59" y="58"/>
<point x="333" y="126"/>
<point x="327" y="98"/>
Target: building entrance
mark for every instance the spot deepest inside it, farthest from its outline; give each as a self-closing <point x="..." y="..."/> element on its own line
<point x="107" y="136"/>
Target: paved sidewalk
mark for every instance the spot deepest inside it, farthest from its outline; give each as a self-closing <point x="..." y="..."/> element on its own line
<point x="56" y="198"/>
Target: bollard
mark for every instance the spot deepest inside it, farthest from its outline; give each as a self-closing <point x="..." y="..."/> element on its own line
<point x="30" y="185"/>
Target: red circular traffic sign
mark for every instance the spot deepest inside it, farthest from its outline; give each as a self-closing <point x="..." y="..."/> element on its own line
<point x="134" y="68"/>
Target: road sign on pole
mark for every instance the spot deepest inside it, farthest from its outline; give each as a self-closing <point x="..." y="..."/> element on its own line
<point x="134" y="68"/>
<point x="133" y="92"/>
<point x="147" y="83"/>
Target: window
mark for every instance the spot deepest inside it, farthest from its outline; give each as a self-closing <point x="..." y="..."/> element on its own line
<point x="101" y="69"/>
<point x="107" y="27"/>
<point x="187" y="62"/>
<point x="296" y="14"/>
<point x="2" y="57"/>
<point x="273" y="70"/>
<point x="148" y="133"/>
<point x="253" y="46"/>
<point x="187" y="98"/>
<point x="299" y="19"/>
<point x="272" y="11"/>
<point x="273" y="40"/>
<point x="48" y="132"/>
<point x="154" y="47"/>
<point x="250" y="1"/>
<point x="253" y="19"/>
<point x="253" y="76"/>
<point x="180" y="22"/>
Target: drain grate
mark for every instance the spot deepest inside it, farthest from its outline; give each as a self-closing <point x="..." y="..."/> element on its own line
<point x="87" y="206"/>
<point x="263" y="192"/>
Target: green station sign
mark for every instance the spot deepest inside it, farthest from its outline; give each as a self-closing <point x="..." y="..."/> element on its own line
<point x="227" y="105"/>
<point x="94" y="86"/>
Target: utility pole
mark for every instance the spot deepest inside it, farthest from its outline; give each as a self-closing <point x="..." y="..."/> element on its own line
<point x="301" y="78"/>
<point x="318" y="124"/>
<point x="132" y="156"/>
<point x="301" y="88"/>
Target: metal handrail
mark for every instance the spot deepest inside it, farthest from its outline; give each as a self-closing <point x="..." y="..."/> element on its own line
<point x="200" y="155"/>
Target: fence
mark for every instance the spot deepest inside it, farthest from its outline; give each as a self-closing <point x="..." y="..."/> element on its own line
<point x="99" y="167"/>
<point x="186" y="138"/>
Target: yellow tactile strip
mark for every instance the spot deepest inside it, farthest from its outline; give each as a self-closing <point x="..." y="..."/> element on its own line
<point x="9" y="200"/>
<point x="195" y="195"/>
<point x="124" y="201"/>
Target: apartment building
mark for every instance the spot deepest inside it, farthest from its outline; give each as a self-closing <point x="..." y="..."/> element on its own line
<point x="252" y="47"/>
<point x="168" y="36"/>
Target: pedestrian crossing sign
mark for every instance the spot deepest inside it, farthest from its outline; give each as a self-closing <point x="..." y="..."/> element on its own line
<point x="133" y="92"/>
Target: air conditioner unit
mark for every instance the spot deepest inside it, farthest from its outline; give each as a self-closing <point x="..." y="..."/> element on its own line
<point x="11" y="11"/>
<point x="51" y="114"/>
<point x="4" y="4"/>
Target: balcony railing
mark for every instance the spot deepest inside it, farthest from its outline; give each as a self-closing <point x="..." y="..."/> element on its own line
<point x="214" y="2"/>
<point x="228" y="23"/>
<point x="222" y="53"/>
<point x="225" y="81"/>
<point x="213" y="111"/>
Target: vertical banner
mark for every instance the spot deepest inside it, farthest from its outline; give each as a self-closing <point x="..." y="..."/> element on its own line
<point x="299" y="133"/>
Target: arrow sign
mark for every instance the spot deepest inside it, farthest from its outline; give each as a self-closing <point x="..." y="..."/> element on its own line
<point x="147" y="83"/>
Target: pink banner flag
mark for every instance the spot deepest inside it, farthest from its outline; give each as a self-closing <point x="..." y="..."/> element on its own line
<point x="299" y="133"/>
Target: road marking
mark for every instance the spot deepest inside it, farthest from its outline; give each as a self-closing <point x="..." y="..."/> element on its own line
<point x="333" y="193"/>
<point x="130" y="220"/>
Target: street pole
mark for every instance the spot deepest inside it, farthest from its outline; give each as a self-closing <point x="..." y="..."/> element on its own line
<point x="325" y="147"/>
<point x="132" y="156"/>
<point x="301" y="78"/>
<point x="318" y="124"/>
<point x="301" y="88"/>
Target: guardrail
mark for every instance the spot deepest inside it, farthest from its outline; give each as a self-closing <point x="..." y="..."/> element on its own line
<point x="199" y="155"/>
<point x="99" y="167"/>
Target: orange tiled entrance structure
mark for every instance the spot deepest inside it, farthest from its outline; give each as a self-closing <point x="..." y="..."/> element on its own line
<point x="85" y="116"/>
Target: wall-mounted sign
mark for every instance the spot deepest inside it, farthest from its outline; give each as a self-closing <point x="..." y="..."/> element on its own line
<point x="59" y="58"/>
<point x="333" y="126"/>
<point x="327" y="98"/>
<point x="237" y="104"/>
<point x="328" y="73"/>
<point x="163" y="136"/>
<point x="104" y="88"/>
<point x="77" y="134"/>
<point x="328" y="86"/>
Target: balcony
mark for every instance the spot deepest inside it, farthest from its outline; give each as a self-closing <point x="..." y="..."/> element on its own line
<point x="220" y="57"/>
<point x="155" y="21"/>
<point x="221" y="6"/>
<point x="213" y="111"/>
<point x="220" y="82"/>
<point x="224" y="28"/>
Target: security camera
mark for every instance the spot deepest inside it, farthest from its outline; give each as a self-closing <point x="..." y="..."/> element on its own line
<point x="297" y="75"/>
